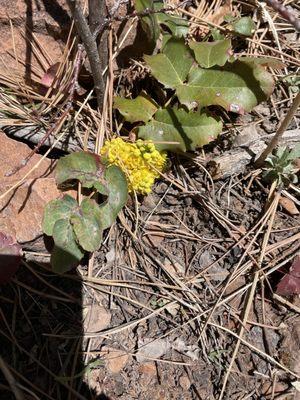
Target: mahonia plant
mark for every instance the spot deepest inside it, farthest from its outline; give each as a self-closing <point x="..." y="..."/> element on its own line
<point x="199" y="75"/>
<point x="75" y="227"/>
<point x="122" y="167"/>
<point x="193" y="77"/>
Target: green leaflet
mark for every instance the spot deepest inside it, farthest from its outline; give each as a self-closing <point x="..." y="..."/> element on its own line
<point x="141" y="108"/>
<point x="173" y="65"/>
<point x="209" y="54"/>
<point x="180" y="130"/>
<point x="237" y="87"/>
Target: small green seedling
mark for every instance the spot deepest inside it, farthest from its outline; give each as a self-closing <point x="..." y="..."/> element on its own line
<point x="280" y="166"/>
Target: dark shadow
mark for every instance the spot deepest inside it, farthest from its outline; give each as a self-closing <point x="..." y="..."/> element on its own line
<point x="57" y="12"/>
<point x="41" y="333"/>
<point x="140" y="46"/>
<point x="179" y="127"/>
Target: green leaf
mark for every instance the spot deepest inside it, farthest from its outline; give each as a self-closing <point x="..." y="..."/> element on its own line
<point x="141" y="108"/>
<point x="165" y="38"/>
<point x="263" y="61"/>
<point x="84" y="167"/>
<point x="179" y="27"/>
<point x="188" y="129"/>
<point x="117" y="196"/>
<point x="66" y="253"/>
<point x="209" y="54"/>
<point x="244" y="26"/>
<point x="295" y="152"/>
<point x="173" y="65"/>
<point x="149" y="22"/>
<point x="238" y="86"/>
<point x="87" y="225"/>
<point x="216" y="34"/>
<point x="57" y="209"/>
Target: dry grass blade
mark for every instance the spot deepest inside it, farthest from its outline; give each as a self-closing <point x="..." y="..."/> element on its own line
<point x="10" y="379"/>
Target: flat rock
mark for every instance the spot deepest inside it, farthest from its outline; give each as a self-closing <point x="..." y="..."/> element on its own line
<point x="22" y="208"/>
<point x="28" y="52"/>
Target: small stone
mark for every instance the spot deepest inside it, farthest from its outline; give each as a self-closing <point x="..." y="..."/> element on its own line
<point x="289" y="205"/>
<point x="115" y="360"/>
<point x="149" y="348"/>
<point x="148" y="372"/>
<point x="248" y="135"/>
<point x="263" y="110"/>
<point x="96" y="318"/>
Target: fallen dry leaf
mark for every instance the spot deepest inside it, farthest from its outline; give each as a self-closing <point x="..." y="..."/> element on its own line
<point x="49" y="76"/>
<point x="290" y="283"/>
<point x="289" y="206"/>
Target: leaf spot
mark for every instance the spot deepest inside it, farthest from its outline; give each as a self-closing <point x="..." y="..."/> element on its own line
<point x="235" y="108"/>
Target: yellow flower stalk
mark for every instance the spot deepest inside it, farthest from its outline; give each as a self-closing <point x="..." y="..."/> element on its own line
<point x="140" y="161"/>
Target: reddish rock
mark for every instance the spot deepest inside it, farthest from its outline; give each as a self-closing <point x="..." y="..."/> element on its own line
<point x="22" y="208"/>
<point x="38" y="46"/>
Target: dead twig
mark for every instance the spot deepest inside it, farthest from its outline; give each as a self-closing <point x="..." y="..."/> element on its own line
<point x="90" y="48"/>
<point x="285" y="12"/>
<point x="10" y="379"/>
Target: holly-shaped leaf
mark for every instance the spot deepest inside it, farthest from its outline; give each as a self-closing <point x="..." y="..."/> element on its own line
<point x="87" y="225"/>
<point x="66" y="253"/>
<point x="10" y="257"/>
<point x="179" y="27"/>
<point x="141" y="108"/>
<point x="172" y="66"/>
<point x="290" y="283"/>
<point x="84" y="167"/>
<point x="244" y="26"/>
<point x="179" y="130"/>
<point x="117" y="196"/>
<point x="149" y="22"/>
<point x="238" y="86"/>
<point x="77" y="228"/>
<point x="58" y="209"/>
<point x="209" y="54"/>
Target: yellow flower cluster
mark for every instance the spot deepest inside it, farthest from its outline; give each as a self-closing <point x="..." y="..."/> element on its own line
<point x="140" y="161"/>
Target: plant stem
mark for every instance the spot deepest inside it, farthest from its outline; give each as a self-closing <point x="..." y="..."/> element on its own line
<point x="280" y="131"/>
<point x="97" y="19"/>
<point x="90" y="48"/>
